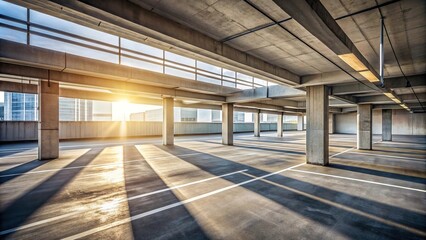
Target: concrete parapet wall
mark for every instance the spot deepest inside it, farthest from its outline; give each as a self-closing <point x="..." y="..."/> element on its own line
<point x="27" y="131"/>
<point x="403" y="123"/>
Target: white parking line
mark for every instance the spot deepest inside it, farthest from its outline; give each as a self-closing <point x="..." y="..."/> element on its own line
<point x="389" y="156"/>
<point x="337" y="154"/>
<point x="34" y="224"/>
<point x="154" y="211"/>
<point x="359" y="180"/>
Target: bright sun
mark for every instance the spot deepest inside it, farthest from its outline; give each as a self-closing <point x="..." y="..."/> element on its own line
<point x="123" y="108"/>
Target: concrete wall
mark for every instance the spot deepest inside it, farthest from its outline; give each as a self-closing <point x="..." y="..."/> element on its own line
<point x="403" y="123"/>
<point x="24" y="131"/>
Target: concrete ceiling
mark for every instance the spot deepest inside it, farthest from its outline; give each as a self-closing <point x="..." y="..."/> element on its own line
<point x="274" y="43"/>
<point x="405" y="23"/>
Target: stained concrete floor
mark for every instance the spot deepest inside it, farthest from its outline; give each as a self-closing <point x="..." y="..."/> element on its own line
<point x="199" y="189"/>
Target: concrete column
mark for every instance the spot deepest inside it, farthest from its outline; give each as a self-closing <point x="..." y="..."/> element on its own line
<point x="257" y="124"/>
<point x="227" y="123"/>
<point x="280" y="125"/>
<point x="386" y="124"/>
<point x="331" y="123"/>
<point x="300" y="123"/>
<point x="48" y="120"/>
<point x="364" y="127"/>
<point x="317" y="125"/>
<point x="168" y="121"/>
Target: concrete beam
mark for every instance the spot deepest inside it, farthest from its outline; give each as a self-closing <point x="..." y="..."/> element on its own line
<point x="327" y="78"/>
<point x="266" y="93"/>
<point x="347" y="99"/>
<point x="315" y="18"/>
<point x="400" y="82"/>
<point x="18" y="87"/>
<point x="383" y="98"/>
<point x="104" y="83"/>
<point x="127" y="19"/>
<point x="353" y="88"/>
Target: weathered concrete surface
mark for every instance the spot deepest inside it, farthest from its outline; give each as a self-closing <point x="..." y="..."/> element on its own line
<point x="300" y="123"/>
<point x="387" y="125"/>
<point x="280" y="125"/>
<point x="168" y="121"/>
<point x="256" y="120"/>
<point x="228" y="123"/>
<point x="364" y="127"/>
<point x="48" y="123"/>
<point x="331" y="123"/>
<point x="317" y="125"/>
<point x="99" y="185"/>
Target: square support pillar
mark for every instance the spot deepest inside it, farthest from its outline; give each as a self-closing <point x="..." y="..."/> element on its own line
<point x="257" y="124"/>
<point x="48" y="120"/>
<point x="300" y="123"/>
<point x="168" y="121"/>
<point x="280" y="125"/>
<point x="331" y="123"/>
<point x="386" y="124"/>
<point x="364" y="127"/>
<point x="317" y="125"/>
<point x="227" y="123"/>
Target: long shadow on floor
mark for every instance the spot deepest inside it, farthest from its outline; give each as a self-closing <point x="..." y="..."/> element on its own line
<point x="23" y="207"/>
<point x="378" y="173"/>
<point x="258" y="148"/>
<point x="175" y="223"/>
<point x="14" y="172"/>
<point x="360" y="222"/>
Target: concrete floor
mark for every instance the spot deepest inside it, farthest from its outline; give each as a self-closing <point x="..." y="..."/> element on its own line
<point x="258" y="189"/>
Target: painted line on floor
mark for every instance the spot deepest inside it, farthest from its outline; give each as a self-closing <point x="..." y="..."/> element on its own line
<point x="90" y="166"/>
<point x="389" y="156"/>
<point x="345" y="151"/>
<point x="359" y="180"/>
<point x="48" y="220"/>
<point x="189" y="200"/>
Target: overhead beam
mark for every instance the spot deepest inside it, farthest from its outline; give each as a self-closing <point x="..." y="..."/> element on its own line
<point x="126" y="19"/>
<point x="263" y="93"/>
<point x="104" y="83"/>
<point x="393" y="82"/>
<point x="383" y="99"/>
<point x="327" y="78"/>
<point x="347" y="99"/>
<point x="315" y="18"/>
<point x="401" y="82"/>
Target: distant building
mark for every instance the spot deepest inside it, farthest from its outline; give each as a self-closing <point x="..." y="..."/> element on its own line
<point x="140" y="116"/>
<point x="71" y="109"/>
<point x="20" y="106"/>
<point x="1" y="111"/>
